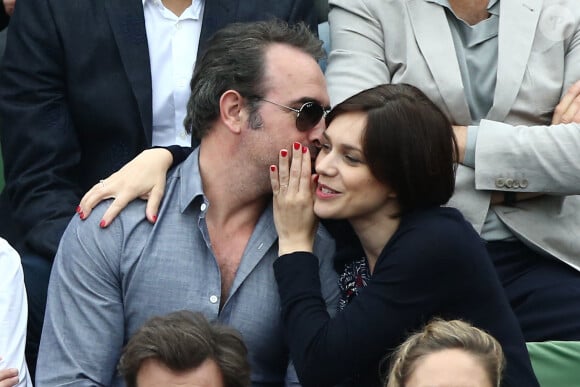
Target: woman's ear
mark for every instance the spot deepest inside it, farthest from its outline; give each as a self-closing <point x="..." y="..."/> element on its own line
<point x="232" y="112"/>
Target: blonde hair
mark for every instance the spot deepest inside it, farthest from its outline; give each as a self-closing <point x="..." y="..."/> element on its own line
<point x="439" y="335"/>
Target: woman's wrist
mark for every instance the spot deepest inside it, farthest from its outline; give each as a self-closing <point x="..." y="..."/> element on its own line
<point x="287" y="247"/>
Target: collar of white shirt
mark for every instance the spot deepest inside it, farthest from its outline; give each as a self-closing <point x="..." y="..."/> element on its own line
<point x="194" y="9"/>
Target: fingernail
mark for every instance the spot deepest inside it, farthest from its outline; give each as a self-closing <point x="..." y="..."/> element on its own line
<point x="154" y="218"/>
<point x="284" y="153"/>
<point x="273" y="168"/>
<point x="297" y="145"/>
<point x="82" y="215"/>
<point x="316" y="179"/>
<point x="78" y="210"/>
<point x="304" y="149"/>
<point x="102" y="224"/>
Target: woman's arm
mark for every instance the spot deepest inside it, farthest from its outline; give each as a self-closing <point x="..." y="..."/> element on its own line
<point x="426" y="270"/>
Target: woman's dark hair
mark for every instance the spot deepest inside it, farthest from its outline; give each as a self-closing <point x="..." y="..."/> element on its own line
<point x="408" y="143"/>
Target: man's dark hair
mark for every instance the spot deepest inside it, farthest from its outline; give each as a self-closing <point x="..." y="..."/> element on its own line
<point x="235" y="60"/>
<point x="183" y="341"/>
<point x="408" y="143"/>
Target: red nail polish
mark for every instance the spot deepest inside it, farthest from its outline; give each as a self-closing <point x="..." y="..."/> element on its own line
<point x="316" y="179"/>
<point x="102" y="224"/>
<point x="82" y="215"/>
<point x="78" y="210"/>
<point x="304" y="149"/>
<point x="297" y="145"/>
<point x="284" y="153"/>
<point x="273" y="168"/>
<point x="154" y="218"/>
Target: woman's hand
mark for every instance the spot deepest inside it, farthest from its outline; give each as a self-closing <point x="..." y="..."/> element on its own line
<point x="143" y="177"/>
<point x="292" y="186"/>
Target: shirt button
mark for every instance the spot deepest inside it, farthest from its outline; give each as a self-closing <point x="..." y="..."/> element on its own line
<point x="203" y="207"/>
<point x="177" y="25"/>
<point x="213" y="299"/>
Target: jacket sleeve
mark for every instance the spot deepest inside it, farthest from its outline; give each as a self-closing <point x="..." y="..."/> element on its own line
<point x="545" y="156"/>
<point x="357" y="58"/>
<point x="178" y="153"/>
<point x="39" y="141"/>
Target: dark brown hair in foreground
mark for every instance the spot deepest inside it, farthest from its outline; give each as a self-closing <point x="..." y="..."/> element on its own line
<point x="183" y="341"/>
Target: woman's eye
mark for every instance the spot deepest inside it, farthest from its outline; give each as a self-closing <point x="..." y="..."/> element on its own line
<point x="325" y="146"/>
<point x="352" y="159"/>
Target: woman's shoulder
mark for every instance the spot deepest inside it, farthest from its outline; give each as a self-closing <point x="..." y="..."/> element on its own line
<point x="436" y="245"/>
<point x="439" y="220"/>
<point x="438" y="231"/>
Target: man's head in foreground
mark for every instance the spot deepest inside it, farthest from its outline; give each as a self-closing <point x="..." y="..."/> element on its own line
<point x="184" y="349"/>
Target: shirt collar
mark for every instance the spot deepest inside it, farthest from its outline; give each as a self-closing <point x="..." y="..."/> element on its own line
<point x="190" y="180"/>
<point x="196" y="5"/>
<point x="492" y="5"/>
<point x="445" y="3"/>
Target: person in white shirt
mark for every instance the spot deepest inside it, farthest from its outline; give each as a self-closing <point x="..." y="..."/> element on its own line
<point x="13" y="318"/>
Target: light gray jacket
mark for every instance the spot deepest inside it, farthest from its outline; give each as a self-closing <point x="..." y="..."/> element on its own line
<point x="409" y="41"/>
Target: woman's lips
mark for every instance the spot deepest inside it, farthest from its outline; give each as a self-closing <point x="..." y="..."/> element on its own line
<point x="325" y="192"/>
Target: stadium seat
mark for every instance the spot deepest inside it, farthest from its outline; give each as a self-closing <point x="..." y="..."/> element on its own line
<point x="556" y="363"/>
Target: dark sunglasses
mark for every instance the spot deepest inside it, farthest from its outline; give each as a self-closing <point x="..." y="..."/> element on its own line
<point x="309" y="114"/>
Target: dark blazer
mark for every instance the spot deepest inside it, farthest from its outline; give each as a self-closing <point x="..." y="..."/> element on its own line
<point x="75" y="96"/>
<point x="4" y="18"/>
<point x="435" y="265"/>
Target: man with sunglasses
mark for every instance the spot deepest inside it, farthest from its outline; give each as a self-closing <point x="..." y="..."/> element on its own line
<point x="85" y="86"/>
<point x="212" y="246"/>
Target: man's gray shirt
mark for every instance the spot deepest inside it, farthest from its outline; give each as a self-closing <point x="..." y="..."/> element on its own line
<point x="106" y="283"/>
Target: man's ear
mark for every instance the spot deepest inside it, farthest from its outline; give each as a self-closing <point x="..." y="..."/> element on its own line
<point x="232" y="111"/>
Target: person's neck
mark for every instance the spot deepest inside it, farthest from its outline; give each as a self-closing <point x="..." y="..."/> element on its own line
<point x="236" y="196"/>
<point x="470" y="11"/>
<point x="374" y="233"/>
<point x="177" y="6"/>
